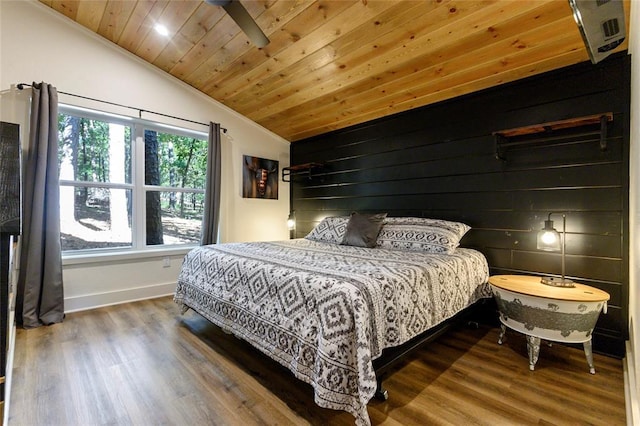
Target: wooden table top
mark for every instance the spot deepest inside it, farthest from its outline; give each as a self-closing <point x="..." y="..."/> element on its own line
<point x="532" y="286"/>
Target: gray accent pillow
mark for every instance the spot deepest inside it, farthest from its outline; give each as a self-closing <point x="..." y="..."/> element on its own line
<point x="421" y="234"/>
<point x="362" y="230"/>
<point x="330" y="230"/>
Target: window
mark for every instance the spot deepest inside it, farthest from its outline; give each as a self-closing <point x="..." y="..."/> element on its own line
<point x="128" y="184"/>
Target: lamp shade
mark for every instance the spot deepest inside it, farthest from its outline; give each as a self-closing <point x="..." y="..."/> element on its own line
<point x="291" y="221"/>
<point x="548" y="237"/>
<point x="549" y="240"/>
<point x="291" y="224"/>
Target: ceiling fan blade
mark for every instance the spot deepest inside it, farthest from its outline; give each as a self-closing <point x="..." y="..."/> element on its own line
<point x="238" y="13"/>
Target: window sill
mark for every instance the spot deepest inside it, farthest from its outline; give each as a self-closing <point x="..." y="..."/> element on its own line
<point x="110" y="257"/>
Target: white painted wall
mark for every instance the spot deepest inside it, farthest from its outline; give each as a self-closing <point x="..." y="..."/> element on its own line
<point x="632" y="361"/>
<point x="37" y="44"/>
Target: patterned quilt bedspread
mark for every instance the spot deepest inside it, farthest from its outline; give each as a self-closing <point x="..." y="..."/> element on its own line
<point x="325" y="311"/>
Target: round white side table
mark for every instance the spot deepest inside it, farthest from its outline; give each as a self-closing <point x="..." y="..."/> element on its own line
<point x="540" y="311"/>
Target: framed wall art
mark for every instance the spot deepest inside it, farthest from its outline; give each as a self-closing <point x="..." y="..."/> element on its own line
<point x="259" y="178"/>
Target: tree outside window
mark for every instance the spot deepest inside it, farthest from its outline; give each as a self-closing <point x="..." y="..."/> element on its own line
<point x="110" y="201"/>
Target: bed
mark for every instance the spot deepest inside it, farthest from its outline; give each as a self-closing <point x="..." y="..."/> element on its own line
<point x="326" y="306"/>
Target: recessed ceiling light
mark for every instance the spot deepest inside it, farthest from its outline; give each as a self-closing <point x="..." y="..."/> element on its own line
<point x="162" y="30"/>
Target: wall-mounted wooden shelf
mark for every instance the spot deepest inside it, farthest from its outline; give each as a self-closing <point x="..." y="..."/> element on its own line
<point x="526" y="135"/>
<point x="306" y="170"/>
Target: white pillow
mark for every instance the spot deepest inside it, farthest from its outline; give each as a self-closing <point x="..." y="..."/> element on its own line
<point x="421" y="234"/>
<point x="330" y="230"/>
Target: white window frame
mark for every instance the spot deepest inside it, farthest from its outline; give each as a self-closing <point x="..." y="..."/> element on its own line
<point x="139" y="247"/>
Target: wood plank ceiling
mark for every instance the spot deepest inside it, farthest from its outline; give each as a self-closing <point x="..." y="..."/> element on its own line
<point x="334" y="63"/>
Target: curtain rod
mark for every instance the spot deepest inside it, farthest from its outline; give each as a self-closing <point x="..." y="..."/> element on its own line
<point x="21" y="86"/>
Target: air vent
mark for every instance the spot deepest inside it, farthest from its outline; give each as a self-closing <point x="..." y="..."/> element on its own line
<point x="611" y="27"/>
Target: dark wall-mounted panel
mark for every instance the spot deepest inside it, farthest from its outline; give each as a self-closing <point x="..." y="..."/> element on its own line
<point x="10" y="201"/>
<point x="439" y="161"/>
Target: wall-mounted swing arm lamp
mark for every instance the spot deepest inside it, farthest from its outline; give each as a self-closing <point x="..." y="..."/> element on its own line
<point x="291" y="223"/>
<point x="550" y="240"/>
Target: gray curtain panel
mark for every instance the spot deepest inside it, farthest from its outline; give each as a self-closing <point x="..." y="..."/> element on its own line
<point x="211" y="216"/>
<point x="40" y="297"/>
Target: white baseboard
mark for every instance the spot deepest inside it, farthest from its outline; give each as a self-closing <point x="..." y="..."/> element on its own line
<point x="97" y="300"/>
<point x="630" y="388"/>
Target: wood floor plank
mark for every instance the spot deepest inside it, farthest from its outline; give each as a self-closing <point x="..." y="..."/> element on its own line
<point x="143" y="363"/>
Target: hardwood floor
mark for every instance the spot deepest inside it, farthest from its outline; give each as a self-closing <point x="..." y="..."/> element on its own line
<point x="143" y="363"/>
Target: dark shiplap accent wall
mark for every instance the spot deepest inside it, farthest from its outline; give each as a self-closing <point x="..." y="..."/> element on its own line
<point x="439" y="161"/>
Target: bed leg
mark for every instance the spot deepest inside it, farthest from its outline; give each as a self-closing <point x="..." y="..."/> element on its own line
<point x="381" y="393"/>
<point x="183" y="309"/>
